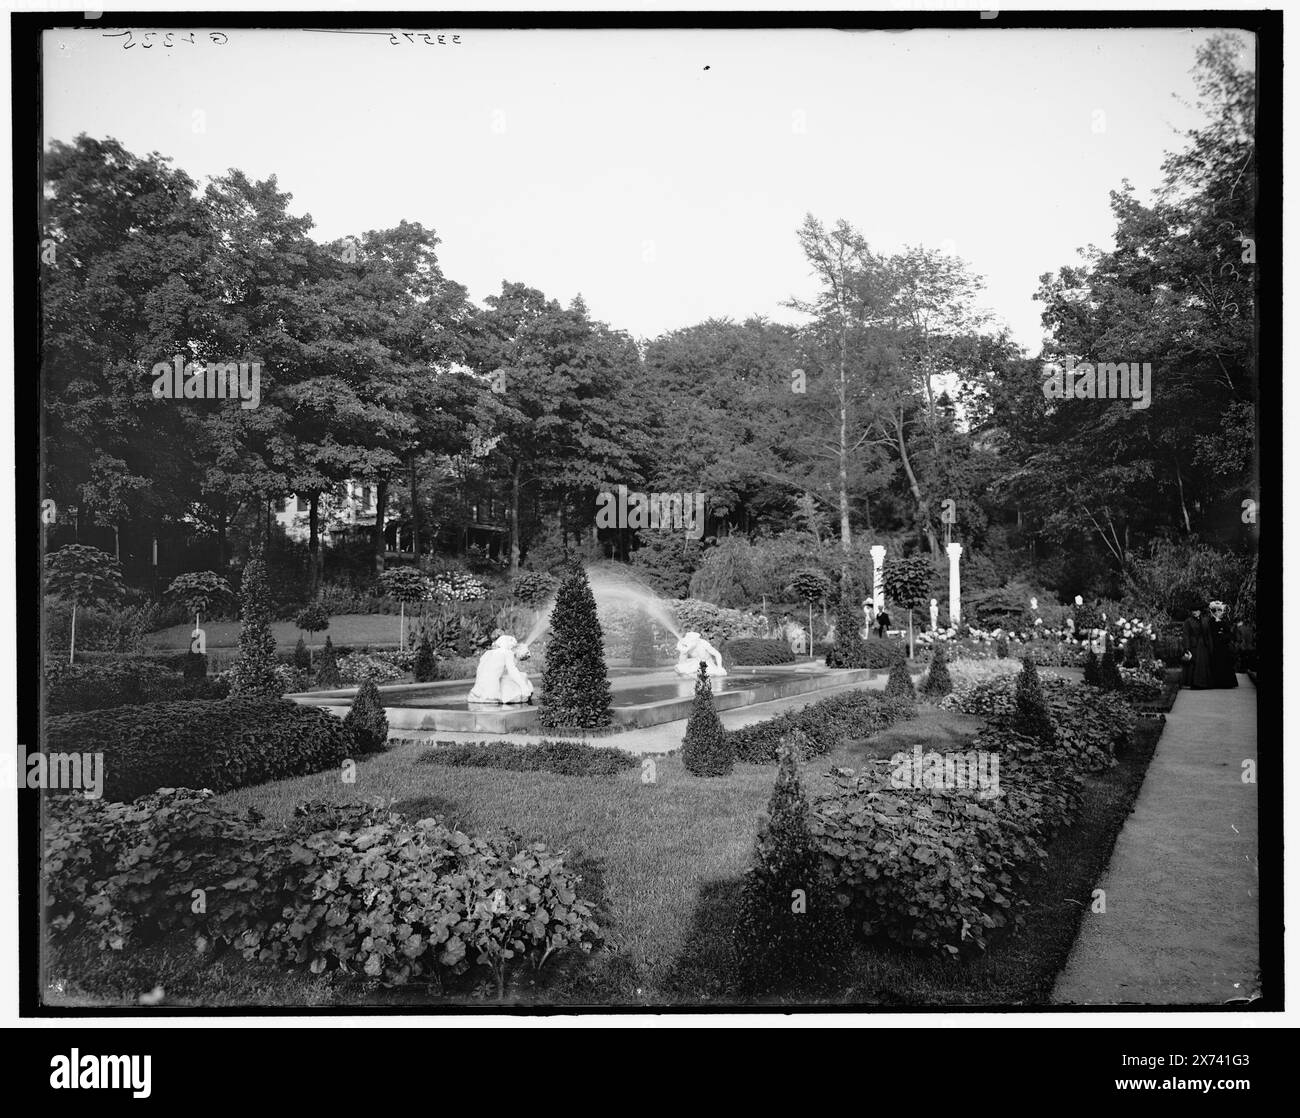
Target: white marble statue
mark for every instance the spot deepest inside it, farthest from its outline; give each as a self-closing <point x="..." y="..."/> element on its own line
<point x="692" y="651"/>
<point x="498" y="679"/>
<point x="934" y="615"/>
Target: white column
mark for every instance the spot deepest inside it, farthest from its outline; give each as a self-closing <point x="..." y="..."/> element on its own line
<point x="954" y="584"/>
<point x="878" y="577"/>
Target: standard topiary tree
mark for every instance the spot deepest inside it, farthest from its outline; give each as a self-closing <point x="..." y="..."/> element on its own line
<point x="900" y="680"/>
<point x="426" y="663"/>
<point x="907" y="582"/>
<point x="312" y="618"/>
<point x="643" y="643"/>
<point x="327" y="668"/>
<point x="812" y="585"/>
<point x="254" y="673"/>
<point x="706" y="748"/>
<point x="84" y="576"/>
<point x="790" y="927"/>
<point x="1031" y="717"/>
<point x="407" y="585"/>
<point x="849" y="649"/>
<point x="367" y="721"/>
<point x="201" y="592"/>
<point x="938" y="681"/>
<point x="575" y="686"/>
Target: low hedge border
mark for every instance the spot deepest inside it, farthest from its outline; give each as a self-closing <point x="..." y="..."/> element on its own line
<point x="756" y="652"/>
<point x="216" y="745"/>
<point x="568" y="758"/>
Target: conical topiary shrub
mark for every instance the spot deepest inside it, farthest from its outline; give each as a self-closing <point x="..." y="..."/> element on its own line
<point x="643" y="643"/>
<point x="254" y="672"/>
<point x="327" y="667"/>
<point x="706" y="748"/>
<point x="1108" y="675"/>
<point x="790" y="927"/>
<point x="849" y="649"/>
<point x="938" y="681"/>
<point x="575" y="686"/>
<point x="366" y="720"/>
<point x="1031" y="717"/>
<point x="1092" y="669"/>
<point x="301" y="657"/>
<point x="900" y="681"/>
<point x="426" y="663"/>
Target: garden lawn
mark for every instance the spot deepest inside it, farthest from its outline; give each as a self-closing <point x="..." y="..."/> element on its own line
<point x="347" y="630"/>
<point x="649" y="846"/>
<point x="665" y="863"/>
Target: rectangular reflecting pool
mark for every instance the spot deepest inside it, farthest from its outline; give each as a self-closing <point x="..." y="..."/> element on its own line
<point x="640" y="698"/>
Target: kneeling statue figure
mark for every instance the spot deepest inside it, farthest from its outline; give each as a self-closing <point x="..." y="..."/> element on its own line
<point x="692" y="651"/>
<point x="498" y="679"/>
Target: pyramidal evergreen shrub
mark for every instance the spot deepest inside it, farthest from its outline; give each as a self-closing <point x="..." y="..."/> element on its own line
<point x="707" y="750"/>
<point x="849" y="649"/>
<point x="301" y="657"/>
<point x="366" y="721"/>
<point x="900" y="680"/>
<point x="1031" y="717"/>
<point x="426" y="663"/>
<point x="1109" y="678"/>
<point x="1092" y="669"/>
<point x="790" y="926"/>
<point x="327" y="667"/>
<point x="575" y="685"/>
<point x="254" y="672"/>
<point x="938" y="680"/>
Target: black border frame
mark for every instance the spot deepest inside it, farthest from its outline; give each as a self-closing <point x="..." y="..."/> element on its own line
<point x="26" y="78"/>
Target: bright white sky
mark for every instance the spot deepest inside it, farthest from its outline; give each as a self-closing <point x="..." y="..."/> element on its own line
<point x="663" y="174"/>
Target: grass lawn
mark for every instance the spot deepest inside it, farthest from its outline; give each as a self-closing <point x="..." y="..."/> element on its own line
<point x="664" y="861"/>
<point x="347" y="629"/>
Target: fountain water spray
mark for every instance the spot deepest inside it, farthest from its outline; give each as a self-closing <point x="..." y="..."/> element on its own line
<point x="615" y="586"/>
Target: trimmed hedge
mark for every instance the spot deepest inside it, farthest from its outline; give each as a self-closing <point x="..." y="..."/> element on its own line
<point x="568" y="758"/>
<point x="824" y="724"/>
<point x="75" y="688"/>
<point x="203" y="744"/>
<point x="754" y="652"/>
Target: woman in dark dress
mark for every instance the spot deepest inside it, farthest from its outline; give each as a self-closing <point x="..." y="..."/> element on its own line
<point x="882" y="623"/>
<point x="1223" y="654"/>
<point x="1196" y="650"/>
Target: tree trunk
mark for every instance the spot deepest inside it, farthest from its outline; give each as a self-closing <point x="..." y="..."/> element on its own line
<point x="72" y="647"/>
<point x="415" y="512"/>
<point x="381" y="503"/>
<point x="846" y="542"/>
<point x="514" y="518"/>
<point x="313" y="545"/>
<point x="922" y="506"/>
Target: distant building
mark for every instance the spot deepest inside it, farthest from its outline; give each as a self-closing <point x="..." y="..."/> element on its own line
<point x="340" y="518"/>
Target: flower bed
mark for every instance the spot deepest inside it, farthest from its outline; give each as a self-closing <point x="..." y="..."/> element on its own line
<point x="1091" y="724"/>
<point x="824" y="724"/>
<point x="352" y="889"/>
<point x="932" y="869"/>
